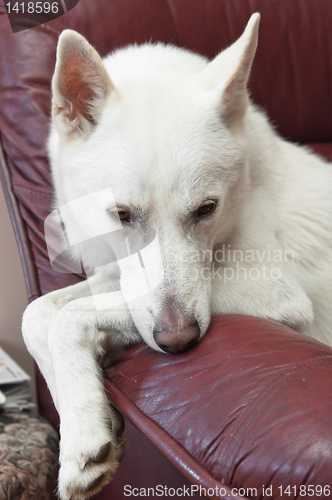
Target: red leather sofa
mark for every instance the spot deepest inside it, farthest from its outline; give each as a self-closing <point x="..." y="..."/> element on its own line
<point x="247" y="413"/>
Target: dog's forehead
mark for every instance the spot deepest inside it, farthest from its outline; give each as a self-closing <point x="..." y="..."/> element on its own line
<point x="146" y="170"/>
<point x="161" y="140"/>
<point x="169" y="125"/>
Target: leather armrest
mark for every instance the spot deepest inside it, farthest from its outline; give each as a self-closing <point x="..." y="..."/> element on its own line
<point x="249" y="406"/>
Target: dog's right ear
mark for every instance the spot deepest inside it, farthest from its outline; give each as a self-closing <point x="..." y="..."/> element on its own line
<point x="228" y="74"/>
<point x="80" y="86"/>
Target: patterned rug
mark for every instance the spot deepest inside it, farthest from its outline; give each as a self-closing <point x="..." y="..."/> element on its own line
<point x="28" y="457"/>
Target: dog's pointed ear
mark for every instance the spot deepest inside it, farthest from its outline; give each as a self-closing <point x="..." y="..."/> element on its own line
<point x="230" y="70"/>
<point x="80" y="86"/>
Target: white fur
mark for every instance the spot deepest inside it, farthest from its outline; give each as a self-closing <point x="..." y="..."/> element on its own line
<point x="173" y="130"/>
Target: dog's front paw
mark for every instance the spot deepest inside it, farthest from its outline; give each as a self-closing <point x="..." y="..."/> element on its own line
<point x="77" y="482"/>
<point x="88" y="458"/>
<point x="290" y="304"/>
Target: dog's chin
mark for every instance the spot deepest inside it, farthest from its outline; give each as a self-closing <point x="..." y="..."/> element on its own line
<point x="167" y="350"/>
<point x="150" y="341"/>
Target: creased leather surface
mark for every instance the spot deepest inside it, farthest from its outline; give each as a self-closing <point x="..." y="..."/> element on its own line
<point x="251" y="402"/>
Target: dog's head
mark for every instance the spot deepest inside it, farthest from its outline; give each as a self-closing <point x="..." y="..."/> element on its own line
<point x="149" y="144"/>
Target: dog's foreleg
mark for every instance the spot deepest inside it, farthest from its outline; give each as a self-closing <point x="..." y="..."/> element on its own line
<point x="66" y="335"/>
<point x="36" y="323"/>
<point x="262" y="290"/>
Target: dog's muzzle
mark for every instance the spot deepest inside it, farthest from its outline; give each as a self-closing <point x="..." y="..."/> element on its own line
<point x="175" y="333"/>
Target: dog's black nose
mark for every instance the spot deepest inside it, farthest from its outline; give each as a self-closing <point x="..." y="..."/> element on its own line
<point x="177" y="340"/>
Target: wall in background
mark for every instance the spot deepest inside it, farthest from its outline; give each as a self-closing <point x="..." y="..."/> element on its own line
<point x="13" y="295"/>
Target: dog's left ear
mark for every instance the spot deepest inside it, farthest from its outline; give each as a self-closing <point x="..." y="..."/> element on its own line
<point x="229" y="73"/>
<point x="80" y="86"/>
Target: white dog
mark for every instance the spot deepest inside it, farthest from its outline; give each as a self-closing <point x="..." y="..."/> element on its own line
<point x="174" y="190"/>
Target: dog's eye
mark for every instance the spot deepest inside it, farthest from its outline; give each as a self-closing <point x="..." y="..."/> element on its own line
<point x="206" y="209"/>
<point x="121" y="213"/>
